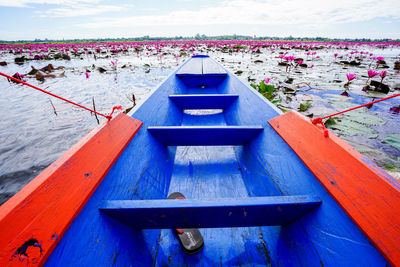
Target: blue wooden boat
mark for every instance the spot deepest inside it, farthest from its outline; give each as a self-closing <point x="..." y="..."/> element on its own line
<point x="263" y="188"/>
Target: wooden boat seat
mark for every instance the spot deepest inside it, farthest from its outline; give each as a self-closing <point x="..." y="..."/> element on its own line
<point x="201" y="71"/>
<point x="204" y="101"/>
<point x="210" y="213"/>
<point x="205" y="135"/>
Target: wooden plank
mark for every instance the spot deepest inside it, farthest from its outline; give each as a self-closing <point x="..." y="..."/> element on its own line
<point x="369" y="196"/>
<point x="203" y="101"/>
<point x="205" y="135"/>
<point x="211" y="67"/>
<point x="201" y="71"/>
<point x="213" y="213"/>
<point x="35" y="219"/>
<point x="192" y="67"/>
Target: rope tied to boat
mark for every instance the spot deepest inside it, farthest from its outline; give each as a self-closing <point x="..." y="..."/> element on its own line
<point x="319" y="121"/>
<point x="108" y="117"/>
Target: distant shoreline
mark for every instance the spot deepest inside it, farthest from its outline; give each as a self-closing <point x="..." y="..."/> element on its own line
<point x="199" y="38"/>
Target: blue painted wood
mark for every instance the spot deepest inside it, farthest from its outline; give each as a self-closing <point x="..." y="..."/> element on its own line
<point x="205" y="135"/>
<point x="191" y="67"/>
<point x="211" y="67"/>
<point x="202" y="172"/>
<point x="212" y="213"/>
<point x="202" y="80"/>
<point x="203" y="101"/>
<point x="201" y="71"/>
<point x="265" y="167"/>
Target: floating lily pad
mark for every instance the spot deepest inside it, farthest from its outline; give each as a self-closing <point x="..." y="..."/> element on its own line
<point x="333" y="97"/>
<point x="304" y="106"/>
<point x="238" y="72"/>
<point x="364" y="118"/>
<point x="352" y="128"/>
<point x="393" y="140"/>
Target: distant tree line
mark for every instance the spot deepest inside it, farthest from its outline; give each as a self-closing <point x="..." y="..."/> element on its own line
<point x="199" y="37"/>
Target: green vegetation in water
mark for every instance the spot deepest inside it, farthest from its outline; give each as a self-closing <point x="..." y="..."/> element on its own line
<point x="268" y="91"/>
<point x="352" y="128"/>
<point x="304" y="106"/>
<point x="390" y="167"/>
<point x="329" y="122"/>
<point x="393" y="140"/>
<point x="364" y="118"/>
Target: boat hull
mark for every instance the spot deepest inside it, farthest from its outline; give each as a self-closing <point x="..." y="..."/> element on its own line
<point x="262" y="167"/>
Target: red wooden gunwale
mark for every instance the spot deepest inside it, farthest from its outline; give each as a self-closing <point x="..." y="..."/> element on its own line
<point x="44" y="209"/>
<point x="370" y="196"/>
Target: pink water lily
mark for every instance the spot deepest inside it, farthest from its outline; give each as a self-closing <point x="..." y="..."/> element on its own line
<point x="266" y="81"/>
<point x="372" y="73"/>
<point x="383" y="75"/>
<point x="289" y="58"/>
<point x="87" y="75"/>
<point x="351" y="76"/>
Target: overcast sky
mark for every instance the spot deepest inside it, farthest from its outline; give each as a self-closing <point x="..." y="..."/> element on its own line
<point x="69" y="19"/>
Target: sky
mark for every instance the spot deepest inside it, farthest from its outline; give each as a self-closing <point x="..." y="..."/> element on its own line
<point x="77" y="19"/>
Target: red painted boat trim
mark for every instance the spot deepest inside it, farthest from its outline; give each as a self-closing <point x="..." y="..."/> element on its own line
<point x="35" y="219"/>
<point x="369" y="195"/>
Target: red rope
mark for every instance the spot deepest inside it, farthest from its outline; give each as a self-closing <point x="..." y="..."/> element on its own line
<point x="317" y="121"/>
<point x="108" y="117"/>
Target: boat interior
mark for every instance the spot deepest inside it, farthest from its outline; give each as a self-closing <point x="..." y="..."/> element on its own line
<point x="206" y="135"/>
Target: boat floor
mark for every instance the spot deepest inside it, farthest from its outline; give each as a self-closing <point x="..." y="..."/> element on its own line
<point x="203" y="172"/>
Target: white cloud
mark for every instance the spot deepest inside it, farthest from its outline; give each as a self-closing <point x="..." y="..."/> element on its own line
<point x="29" y="3"/>
<point x="78" y="10"/>
<point x="65" y="8"/>
<point x="268" y="12"/>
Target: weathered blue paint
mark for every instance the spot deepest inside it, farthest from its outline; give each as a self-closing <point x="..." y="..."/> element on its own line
<point x="202" y="72"/>
<point x="203" y="101"/>
<point x="265" y="167"/>
<point x="210" y="213"/>
<point x="205" y="135"/>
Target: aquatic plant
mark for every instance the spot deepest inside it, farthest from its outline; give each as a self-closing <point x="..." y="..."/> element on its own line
<point x="371" y="74"/>
<point x="350" y="77"/>
<point x="304" y="106"/>
<point x="267" y="90"/>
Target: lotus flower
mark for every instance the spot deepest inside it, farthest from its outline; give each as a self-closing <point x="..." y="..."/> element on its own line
<point x="87" y="75"/>
<point x="383" y="74"/>
<point x="351" y="76"/>
<point x="372" y="73"/>
<point x="266" y="81"/>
